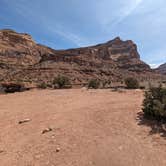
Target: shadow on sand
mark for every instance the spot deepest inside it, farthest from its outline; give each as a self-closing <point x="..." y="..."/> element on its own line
<point x="156" y="126"/>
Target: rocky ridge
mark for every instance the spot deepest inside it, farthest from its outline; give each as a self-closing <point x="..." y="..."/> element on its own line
<point x="162" y="69"/>
<point x="22" y="60"/>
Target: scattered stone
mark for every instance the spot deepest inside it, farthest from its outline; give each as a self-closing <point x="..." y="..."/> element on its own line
<point x="24" y="121"/>
<point x="58" y="149"/>
<point x="46" y="130"/>
<point x="1" y="151"/>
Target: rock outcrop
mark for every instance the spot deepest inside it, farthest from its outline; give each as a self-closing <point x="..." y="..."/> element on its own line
<point x="162" y="69"/>
<point x="22" y="60"/>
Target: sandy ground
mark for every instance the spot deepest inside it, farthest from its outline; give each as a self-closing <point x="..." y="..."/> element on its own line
<point x="89" y="128"/>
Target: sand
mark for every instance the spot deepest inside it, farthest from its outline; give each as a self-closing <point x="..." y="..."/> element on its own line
<point x="83" y="128"/>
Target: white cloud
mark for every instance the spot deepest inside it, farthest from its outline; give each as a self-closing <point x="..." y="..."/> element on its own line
<point x="127" y="10"/>
<point x="80" y="24"/>
<point x="22" y="8"/>
<point x="112" y="13"/>
<point x="74" y="38"/>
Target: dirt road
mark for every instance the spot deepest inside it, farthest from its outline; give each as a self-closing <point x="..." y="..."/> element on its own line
<point x="89" y="128"/>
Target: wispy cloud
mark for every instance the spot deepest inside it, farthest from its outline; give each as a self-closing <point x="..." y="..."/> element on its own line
<point x="115" y="12"/>
<point x="22" y="8"/>
<point x="74" y="23"/>
<point x="126" y="11"/>
<point x="76" y="39"/>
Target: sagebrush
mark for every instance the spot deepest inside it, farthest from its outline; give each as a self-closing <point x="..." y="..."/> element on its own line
<point x="94" y="84"/>
<point x="154" y="104"/>
<point x="61" y="82"/>
<point x="42" y="85"/>
<point x="131" y="83"/>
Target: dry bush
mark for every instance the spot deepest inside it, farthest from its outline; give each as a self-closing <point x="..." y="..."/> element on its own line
<point x="131" y="83"/>
<point x="154" y="104"/>
<point x="42" y="85"/>
<point x="94" y="84"/>
<point x="61" y="82"/>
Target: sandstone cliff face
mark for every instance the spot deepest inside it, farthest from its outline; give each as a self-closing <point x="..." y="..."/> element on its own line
<point x="122" y="53"/>
<point x="21" y="59"/>
<point x="162" y="69"/>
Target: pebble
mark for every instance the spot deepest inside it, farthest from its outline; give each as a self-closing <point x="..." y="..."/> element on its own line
<point x="24" y="121"/>
<point x="58" y="149"/>
<point x="46" y="130"/>
<point x="1" y="151"/>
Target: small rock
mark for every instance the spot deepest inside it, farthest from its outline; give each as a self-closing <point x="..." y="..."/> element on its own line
<point x="46" y="130"/>
<point x="1" y="151"/>
<point x="58" y="149"/>
<point x="24" y="121"/>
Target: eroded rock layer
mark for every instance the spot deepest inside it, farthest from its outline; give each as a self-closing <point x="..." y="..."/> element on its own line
<point x="162" y="69"/>
<point x="22" y="60"/>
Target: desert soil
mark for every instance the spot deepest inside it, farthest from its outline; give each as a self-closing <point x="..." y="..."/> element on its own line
<point x="89" y="128"/>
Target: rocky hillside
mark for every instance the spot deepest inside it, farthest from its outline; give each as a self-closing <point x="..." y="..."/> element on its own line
<point x="162" y="69"/>
<point x="22" y="60"/>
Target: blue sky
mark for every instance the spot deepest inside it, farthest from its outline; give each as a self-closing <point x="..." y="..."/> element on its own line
<point x="65" y="24"/>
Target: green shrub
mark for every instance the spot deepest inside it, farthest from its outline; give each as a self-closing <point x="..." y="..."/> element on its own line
<point x="94" y="84"/>
<point x="154" y="104"/>
<point x="106" y="83"/>
<point x="61" y="82"/>
<point x="42" y="85"/>
<point x="131" y="83"/>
